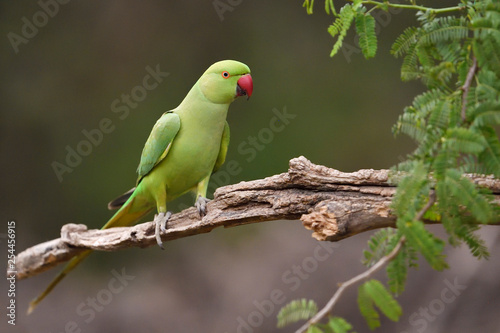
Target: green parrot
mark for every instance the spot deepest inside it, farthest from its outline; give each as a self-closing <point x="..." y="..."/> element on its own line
<point x="186" y="145"/>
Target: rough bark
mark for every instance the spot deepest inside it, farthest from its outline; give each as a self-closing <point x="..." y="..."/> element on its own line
<point x="333" y="204"/>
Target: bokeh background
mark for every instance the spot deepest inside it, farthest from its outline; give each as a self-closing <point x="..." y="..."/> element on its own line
<point x="64" y="79"/>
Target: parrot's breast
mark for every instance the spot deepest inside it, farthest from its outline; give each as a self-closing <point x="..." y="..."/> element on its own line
<point x="193" y="153"/>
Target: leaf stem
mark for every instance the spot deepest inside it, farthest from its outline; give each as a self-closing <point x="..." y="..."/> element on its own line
<point x="414" y="7"/>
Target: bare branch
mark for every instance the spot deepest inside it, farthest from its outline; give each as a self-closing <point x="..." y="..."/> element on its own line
<point x="334" y="204"/>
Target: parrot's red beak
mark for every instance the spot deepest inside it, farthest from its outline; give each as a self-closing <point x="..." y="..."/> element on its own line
<point x="244" y="86"/>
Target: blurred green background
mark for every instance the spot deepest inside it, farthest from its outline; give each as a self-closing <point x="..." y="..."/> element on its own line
<point x="64" y="79"/>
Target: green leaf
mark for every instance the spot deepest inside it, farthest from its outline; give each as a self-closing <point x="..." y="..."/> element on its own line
<point x="453" y="204"/>
<point x="465" y="141"/>
<point x="410" y="69"/>
<point x="367" y="309"/>
<point x="375" y="290"/>
<point x="378" y="245"/>
<point x="446" y="158"/>
<point x="412" y="125"/>
<point x="296" y="310"/>
<point x="405" y="41"/>
<point x="365" y="27"/>
<point x="426" y="102"/>
<point x="475" y="244"/>
<point x="357" y="4"/>
<point x="463" y="189"/>
<point x="423" y="241"/>
<point x="444" y="29"/>
<point x="486" y="114"/>
<point x="425" y="57"/>
<point x="341" y="26"/>
<point x="397" y="272"/>
<point x="339" y="325"/>
<point x="490" y="157"/>
<point x="314" y="329"/>
<point x="486" y="51"/>
<point x="439" y="116"/>
<point x="329" y="7"/>
<point x="412" y="186"/>
<point x="439" y="75"/>
<point x="308" y="5"/>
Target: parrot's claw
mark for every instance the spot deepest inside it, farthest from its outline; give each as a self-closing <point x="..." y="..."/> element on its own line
<point x="160" y="226"/>
<point x="201" y="205"/>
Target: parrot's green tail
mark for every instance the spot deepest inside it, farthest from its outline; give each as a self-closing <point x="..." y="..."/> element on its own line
<point x="69" y="267"/>
<point x="126" y="215"/>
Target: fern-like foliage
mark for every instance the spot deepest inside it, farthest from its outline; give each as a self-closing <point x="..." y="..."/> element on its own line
<point x="365" y="28"/>
<point x="296" y="310"/>
<point x="454" y="124"/>
<point x="397" y="269"/>
<point x="405" y="41"/>
<point x="367" y="308"/>
<point x="378" y="246"/>
<point x="340" y="26"/>
<point x="431" y="50"/>
<point x="373" y="293"/>
<point x="338" y="325"/>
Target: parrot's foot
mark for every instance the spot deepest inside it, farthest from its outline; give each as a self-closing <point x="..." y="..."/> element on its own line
<point x="201" y="205"/>
<point x="160" y="224"/>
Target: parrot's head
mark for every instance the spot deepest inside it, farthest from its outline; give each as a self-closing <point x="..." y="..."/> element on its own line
<point x="225" y="80"/>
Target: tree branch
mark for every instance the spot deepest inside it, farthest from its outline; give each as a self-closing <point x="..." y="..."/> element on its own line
<point x="333" y="204"/>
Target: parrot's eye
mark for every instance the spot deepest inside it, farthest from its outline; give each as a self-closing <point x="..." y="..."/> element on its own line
<point x="225" y="74"/>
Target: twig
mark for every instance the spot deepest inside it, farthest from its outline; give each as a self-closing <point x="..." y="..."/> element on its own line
<point x="413" y="7"/>
<point x="331" y="303"/>
<point x="465" y="88"/>
<point x="428" y="205"/>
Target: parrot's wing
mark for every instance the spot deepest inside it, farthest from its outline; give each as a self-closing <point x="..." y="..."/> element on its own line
<point x="223" y="148"/>
<point x="159" y="142"/>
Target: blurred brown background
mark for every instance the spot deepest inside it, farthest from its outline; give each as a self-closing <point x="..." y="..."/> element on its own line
<point x="64" y="79"/>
